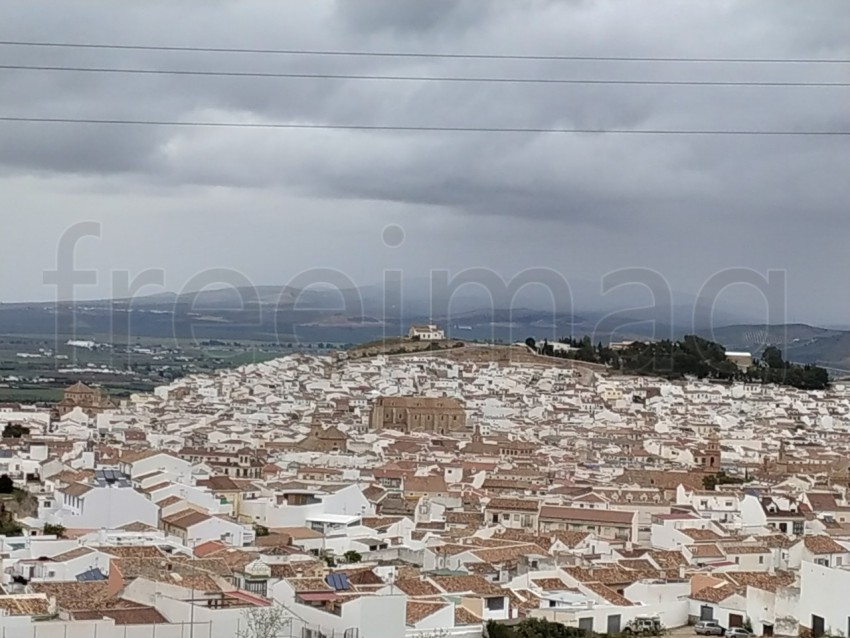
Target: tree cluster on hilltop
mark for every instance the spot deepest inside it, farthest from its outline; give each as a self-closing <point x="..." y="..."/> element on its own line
<point x="691" y="356"/>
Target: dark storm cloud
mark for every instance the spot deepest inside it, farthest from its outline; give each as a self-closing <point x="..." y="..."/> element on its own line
<point x="411" y="18"/>
<point x="638" y="195"/>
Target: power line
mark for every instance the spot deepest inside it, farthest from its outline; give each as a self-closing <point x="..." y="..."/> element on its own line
<point x="437" y="129"/>
<point x="415" y="78"/>
<point x="410" y="54"/>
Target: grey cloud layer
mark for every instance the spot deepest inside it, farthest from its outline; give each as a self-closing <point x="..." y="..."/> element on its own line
<point x="633" y="188"/>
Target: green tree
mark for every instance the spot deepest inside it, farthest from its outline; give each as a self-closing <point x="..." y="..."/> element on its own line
<point x="531" y="343"/>
<point x="15" y="431"/>
<point x="352" y="556"/>
<point x="772" y="357"/>
<point x="6" y="484"/>
<point x="533" y="628"/>
<point x="54" y="530"/>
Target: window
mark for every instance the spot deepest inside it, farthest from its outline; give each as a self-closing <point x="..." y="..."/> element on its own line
<point x="496" y="604"/>
<point x="761" y="560"/>
<point x="823" y="562"/>
<point x="798" y="528"/>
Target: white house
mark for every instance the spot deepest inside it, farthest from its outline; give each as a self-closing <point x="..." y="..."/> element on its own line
<point x="821" y="550"/>
<point x="427" y="332"/>
<point x="823" y="606"/>
<point x="83" y="506"/>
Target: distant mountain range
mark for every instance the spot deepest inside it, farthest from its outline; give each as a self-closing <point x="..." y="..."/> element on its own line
<point x="318" y="314"/>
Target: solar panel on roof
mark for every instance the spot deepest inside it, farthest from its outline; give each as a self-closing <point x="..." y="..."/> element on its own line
<point x="91" y="575"/>
<point x="338" y="581"/>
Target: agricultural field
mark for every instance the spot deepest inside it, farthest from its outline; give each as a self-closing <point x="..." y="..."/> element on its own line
<point x="36" y="369"/>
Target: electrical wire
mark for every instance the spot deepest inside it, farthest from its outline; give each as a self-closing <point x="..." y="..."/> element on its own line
<point x="411" y="54"/>
<point x="415" y="128"/>
<point x="347" y="76"/>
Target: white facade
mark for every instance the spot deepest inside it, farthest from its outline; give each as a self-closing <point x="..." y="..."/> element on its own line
<point x="103" y="507"/>
<point x="825" y="594"/>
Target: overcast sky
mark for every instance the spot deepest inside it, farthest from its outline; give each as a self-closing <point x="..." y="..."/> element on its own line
<point x="273" y="203"/>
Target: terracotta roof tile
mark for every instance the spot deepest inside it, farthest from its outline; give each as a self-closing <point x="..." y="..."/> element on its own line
<point x="418" y="610"/>
<point x="610" y="517"/>
<point x="465" y="617"/>
<point x="716" y="593"/>
<point x="822" y="545"/>
<point x="608" y="594"/>
<point x="519" y="504"/>
<point x="472" y="583"/>
<point x="416" y="587"/>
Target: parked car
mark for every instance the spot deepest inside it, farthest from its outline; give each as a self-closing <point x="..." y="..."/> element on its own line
<point x="708" y="628"/>
<point x="645" y="626"/>
<point x="739" y="632"/>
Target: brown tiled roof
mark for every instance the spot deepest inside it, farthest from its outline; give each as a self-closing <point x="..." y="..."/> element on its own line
<point x="822" y="545"/>
<point x="745" y="549"/>
<point x="450" y="549"/>
<point x="138" y="526"/>
<point x="131" y="616"/>
<point x="522" y="599"/>
<point x="637" y="563"/>
<point x="668" y="559"/>
<point x="380" y="522"/>
<point x="662" y="479"/>
<point x="550" y="584"/>
<point x="208" y="547"/>
<point x="608" y="575"/>
<point x="474" y="584"/>
<point x="466" y="518"/>
<point x="169" y="500"/>
<point x="133" y="456"/>
<point x="77" y="489"/>
<point x="520" y="504"/>
<point x="186" y="519"/>
<point x="775" y="541"/>
<point x="297" y="533"/>
<point x="760" y="580"/>
<point x="153" y="488"/>
<point x="465" y="617"/>
<point x="418" y="610"/>
<point x="132" y="551"/>
<point x="608" y="594"/>
<point x="25" y="605"/>
<point x="73" y="595"/>
<point x="822" y="502"/>
<point x="77" y="552"/>
<point x="429" y="484"/>
<point x="308" y="568"/>
<point x="610" y="517"/>
<point x="302" y="585"/>
<point x="235" y="559"/>
<point x="570" y="538"/>
<point x="361" y="576"/>
<point x="706" y="550"/>
<point x="701" y="534"/>
<point x="220" y="484"/>
<point x="182" y="573"/>
<point x="507" y="553"/>
<point x="715" y="594"/>
<point x="417" y="587"/>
